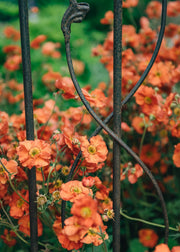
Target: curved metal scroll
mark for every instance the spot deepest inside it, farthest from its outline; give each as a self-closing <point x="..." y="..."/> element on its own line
<point x="75" y="13"/>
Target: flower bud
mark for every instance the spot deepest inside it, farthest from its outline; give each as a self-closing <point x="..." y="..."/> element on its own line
<point x="41" y="200"/>
<point x="88" y="181"/>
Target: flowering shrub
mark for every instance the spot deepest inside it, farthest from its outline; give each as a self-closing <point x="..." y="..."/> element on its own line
<point x="151" y="126"/>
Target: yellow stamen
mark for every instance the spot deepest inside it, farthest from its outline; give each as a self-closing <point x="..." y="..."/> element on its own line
<point x="34" y="152"/>
<point x="148" y="100"/>
<point x="92" y="149"/>
<point x="86" y="212"/>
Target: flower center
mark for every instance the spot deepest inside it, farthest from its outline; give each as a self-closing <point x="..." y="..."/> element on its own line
<point x="56" y="195"/>
<point x="158" y="74"/>
<point x="148" y="100"/>
<point x="177" y="111"/>
<point x="76" y="189"/>
<point x="148" y="237"/>
<point x="86" y="212"/>
<point x="9" y="237"/>
<point x="92" y="231"/>
<point x="19" y="203"/>
<point x="91" y="149"/>
<point x="141" y="125"/>
<point x="149" y="154"/>
<point x="34" y="152"/>
<point x="41" y="200"/>
<point x="65" y="170"/>
<point x="1" y="170"/>
<point x="58" y="183"/>
<point x="163" y="133"/>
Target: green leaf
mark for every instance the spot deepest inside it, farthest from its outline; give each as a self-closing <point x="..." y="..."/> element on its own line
<point x="135" y="246"/>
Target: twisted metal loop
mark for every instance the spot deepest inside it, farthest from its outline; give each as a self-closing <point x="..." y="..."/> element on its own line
<point x="75" y="13"/>
<point x="66" y="30"/>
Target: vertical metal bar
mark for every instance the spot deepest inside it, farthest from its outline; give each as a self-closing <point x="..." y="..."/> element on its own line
<point x="26" y="62"/>
<point x="117" y="120"/>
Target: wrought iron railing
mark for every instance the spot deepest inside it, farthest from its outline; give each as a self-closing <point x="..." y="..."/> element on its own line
<point x="75" y="14"/>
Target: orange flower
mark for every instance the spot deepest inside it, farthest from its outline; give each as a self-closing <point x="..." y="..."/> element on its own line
<point x="11" y="167"/>
<point x="144" y="22"/>
<point x="67" y="86"/>
<point x="88" y="181"/>
<point x="108" y="19"/>
<point x="176" y="129"/>
<point x="12" y="49"/>
<point x="95" y="150"/>
<point x="34" y="9"/>
<point x="150" y="154"/>
<point x="49" y="49"/>
<point x="134" y="173"/>
<point x="145" y="97"/>
<point x="34" y="153"/>
<point x="43" y="114"/>
<point x="69" y="236"/>
<point x="73" y="229"/>
<point x="8" y="237"/>
<point x="160" y="74"/>
<point x="153" y="9"/>
<point x="175" y="249"/>
<point x="86" y="210"/>
<point x="3" y="123"/>
<point x="171" y="30"/>
<point x="125" y="127"/>
<point x="11" y="33"/>
<point x="176" y="155"/>
<point x="130" y="3"/>
<point x="96" y="98"/>
<point x="18" y="206"/>
<point x="162" y="248"/>
<point x="78" y="67"/>
<point x="3" y="190"/>
<point x="130" y="37"/>
<point x="90" y="167"/>
<point x="148" y="237"/>
<point x="173" y="9"/>
<point x="57" y="226"/>
<point x="138" y="124"/>
<point x="24" y="225"/>
<point x="50" y="78"/>
<point x="13" y="62"/>
<point x="74" y="190"/>
<point x="68" y="244"/>
<point x="105" y="205"/>
<point x="94" y="237"/>
<point x="35" y="43"/>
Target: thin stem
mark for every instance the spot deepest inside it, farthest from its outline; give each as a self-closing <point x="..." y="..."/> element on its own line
<point x="43" y="182"/>
<point x="102" y="237"/>
<point x="143" y="136"/>
<point x="146" y="222"/>
<point x="48" y="246"/>
<point x="11" y="184"/>
<point x="13" y="187"/>
<point x="11" y="225"/>
<point x="6" y="213"/>
<point x="20" y="237"/>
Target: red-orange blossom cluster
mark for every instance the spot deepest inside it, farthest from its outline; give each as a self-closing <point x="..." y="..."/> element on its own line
<point x="152" y="128"/>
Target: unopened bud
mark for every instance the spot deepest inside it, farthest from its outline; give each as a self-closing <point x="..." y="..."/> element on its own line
<point x="152" y="117"/>
<point x="41" y="200"/>
<point x="56" y="195"/>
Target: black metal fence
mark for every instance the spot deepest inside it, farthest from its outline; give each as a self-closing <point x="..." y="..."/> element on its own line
<point x="75" y="14"/>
